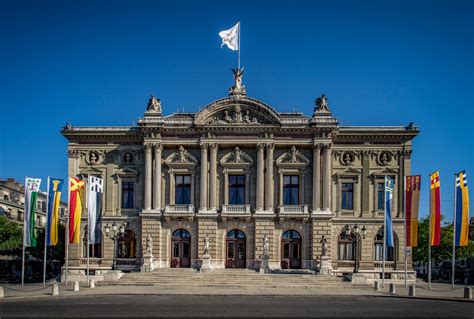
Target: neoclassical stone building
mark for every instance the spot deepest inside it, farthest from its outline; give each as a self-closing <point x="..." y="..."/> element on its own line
<point x="236" y="171"/>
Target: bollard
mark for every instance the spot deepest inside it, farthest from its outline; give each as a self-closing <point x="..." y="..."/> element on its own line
<point x="376" y="286"/>
<point x="55" y="290"/>
<point x="92" y="283"/>
<point x="411" y="291"/>
<point x="76" y="286"/>
<point x="393" y="291"/>
<point x="2" y="294"/>
<point x="467" y="293"/>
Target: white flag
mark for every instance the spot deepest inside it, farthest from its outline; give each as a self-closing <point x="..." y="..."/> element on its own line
<point x="231" y="37"/>
<point x="96" y="188"/>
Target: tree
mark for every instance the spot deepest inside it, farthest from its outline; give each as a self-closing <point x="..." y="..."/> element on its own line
<point x="11" y="237"/>
<point x="444" y="250"/>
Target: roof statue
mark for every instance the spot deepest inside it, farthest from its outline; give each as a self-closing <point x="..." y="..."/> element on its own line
<point x="238" y="88"/>
<point x="321" y="105"/>
<point x="154" y="105"/>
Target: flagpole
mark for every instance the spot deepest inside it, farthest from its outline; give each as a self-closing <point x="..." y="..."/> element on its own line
<point x="46" y="232"/>
<point x="238" y="54"/>
<point x="24" y="237"/>
<point x="384" y="230"/>
<point x="429" y="241"/>
<point x="453" y="263"/>
<point x="405" y="218"/>
<point x="88" y="228"/>
<point x="67" y="227"/>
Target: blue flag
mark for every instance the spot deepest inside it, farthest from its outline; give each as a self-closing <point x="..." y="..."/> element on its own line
<point x="388" y="211"/>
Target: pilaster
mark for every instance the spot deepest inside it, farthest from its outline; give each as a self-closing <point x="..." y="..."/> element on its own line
<point x="204" y="168"/>
<point x="269" y="187"/>
<point x="148" y="175"/>
<point x="157" y="179"/>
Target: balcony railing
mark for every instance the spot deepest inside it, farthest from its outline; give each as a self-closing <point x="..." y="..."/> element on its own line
<point x="127" y="263"/>
<point x="179" y="209"/>
<point x="128" y="211"/>
<point x="242" y="209"/>
<point x="92" y="261"/>
<point x="388" y="264"/>
<point x="293" y="210"/>
<point x="346" y="213"/>
<point x="346" y="264"/>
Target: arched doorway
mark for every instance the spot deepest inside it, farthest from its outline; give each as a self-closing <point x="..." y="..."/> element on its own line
<point x="127" y="245"/>
<point x="236" y="249"/>
<point x="291" y="250"/>
<point x="180" y="249"/>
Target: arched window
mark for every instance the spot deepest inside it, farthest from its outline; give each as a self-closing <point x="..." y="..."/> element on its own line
<point x="127" y="245"/>
<point x="346" y="246"/>
<point x="235" y="233"/>
<point x="378" y="247"/>
<point x="291" y="234"/>
<point x="181" y="233"/>
<point x="95" y="250"/>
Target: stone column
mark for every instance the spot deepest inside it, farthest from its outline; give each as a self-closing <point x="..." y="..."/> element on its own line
<point x="203" y="190"/>
<point x="157" y="179"/>
<point x="327" y="176"/>
<point x="148" y="176"/>
<point x="226" y="187"/>
<point x="269" y="200"/>
<point x="316" y="204"/>
<point x="213" y="178"/>
<point x="260" y="176"/>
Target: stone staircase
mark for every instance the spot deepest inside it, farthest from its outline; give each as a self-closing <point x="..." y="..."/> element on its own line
<point x="229" y="279"/>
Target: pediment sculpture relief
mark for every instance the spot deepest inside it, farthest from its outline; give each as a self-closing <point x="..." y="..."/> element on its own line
<point x="181" y="157"/>
<point x="236" y="116"/>
<point x="293" y="157"/>
<point x="236" y="159"/>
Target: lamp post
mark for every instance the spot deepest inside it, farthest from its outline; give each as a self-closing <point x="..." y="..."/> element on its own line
<point x="355" y="229"/>
<point x="117" y="232"/>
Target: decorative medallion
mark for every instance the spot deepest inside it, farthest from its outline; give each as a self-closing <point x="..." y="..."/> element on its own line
<point x="128" y="158"/>
<point x="385" y="158"/>
<point x="347" y="158"/>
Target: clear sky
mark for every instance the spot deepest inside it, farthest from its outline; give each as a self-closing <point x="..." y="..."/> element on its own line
<point x="97" y="62"/>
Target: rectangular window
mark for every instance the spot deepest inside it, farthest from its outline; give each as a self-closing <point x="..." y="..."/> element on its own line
<point x="127" y="194"/>
<point x="182" y="188"/>
<point x="236" y="189"/>
<point x="291" y="190"/>
<point x="347" y="192"/>
<point x="380" y="195"/>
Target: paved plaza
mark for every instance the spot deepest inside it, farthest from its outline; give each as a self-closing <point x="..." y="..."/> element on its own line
<point x="244" y="306"/>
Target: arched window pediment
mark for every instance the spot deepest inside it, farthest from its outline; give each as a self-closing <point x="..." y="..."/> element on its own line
<point x="240" y="111"/>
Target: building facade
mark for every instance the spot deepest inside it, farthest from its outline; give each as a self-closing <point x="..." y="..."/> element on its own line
<point x="241" y="174"/>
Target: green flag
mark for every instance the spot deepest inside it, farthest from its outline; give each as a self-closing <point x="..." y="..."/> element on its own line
<point x="31" y="197"/>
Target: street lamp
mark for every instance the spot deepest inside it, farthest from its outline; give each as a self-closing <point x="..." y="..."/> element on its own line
<point x="355" y="229"/>
<point x="117" y="232"/>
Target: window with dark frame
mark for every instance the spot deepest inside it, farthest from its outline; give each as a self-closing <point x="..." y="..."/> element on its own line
<point x="236" y="189"/>
<point x="347" y="196"/>
<point x="346" y="247"/>
<point x="127" y="194"/>
<point x="182" y="188"/>
<point x="378" y="249"/>
<point x="291" y="189"/>
<point x="380" y="196"/>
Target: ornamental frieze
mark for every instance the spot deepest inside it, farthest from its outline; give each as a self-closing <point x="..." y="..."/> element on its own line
<point x="235" y="117"/>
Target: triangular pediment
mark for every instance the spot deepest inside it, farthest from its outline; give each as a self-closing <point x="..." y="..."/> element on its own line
<point x="236" y="158"/>
<point x="292" y="158"/>
<point x="181" y="158"/>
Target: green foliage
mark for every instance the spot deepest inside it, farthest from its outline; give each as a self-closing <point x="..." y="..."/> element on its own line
<point x="11" y="237"/>
<point x="55" y="253"/>
<point x="444" y="250"/>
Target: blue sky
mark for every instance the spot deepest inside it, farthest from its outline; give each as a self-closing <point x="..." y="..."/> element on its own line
<point x="97" y="62"/>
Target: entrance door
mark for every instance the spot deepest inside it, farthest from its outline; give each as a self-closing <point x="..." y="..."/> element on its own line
<point x="236" y="249"/>
<point x="181" y="249"/>
<point x="291" y="250"/>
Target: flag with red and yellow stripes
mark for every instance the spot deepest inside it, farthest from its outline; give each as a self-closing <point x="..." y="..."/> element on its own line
<point x="76" y="190"/>
<point x="435" y="209"/>
<point x="412" y="203"/>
